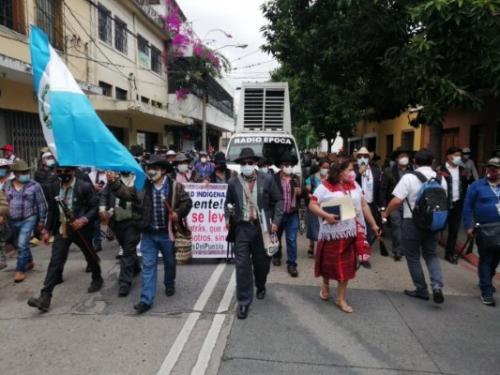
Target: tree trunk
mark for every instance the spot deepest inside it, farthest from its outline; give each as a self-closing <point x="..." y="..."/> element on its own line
<point x="436" y="140"/>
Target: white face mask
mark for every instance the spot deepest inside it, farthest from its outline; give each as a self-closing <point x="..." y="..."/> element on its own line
<point x="404" y="161"/>
<point x="264" y="169"/>
<point x="466" y="157"/>
<point x="287" y="170"/>
<point x="247" y="170"/>
<point x="457" y="160"/>
<point x="183" y="168"/>
<point x="362" y="161"/>
<point x="324" y="171"/>
<point x="50" y="163"/>
<point x="203" y="160"/>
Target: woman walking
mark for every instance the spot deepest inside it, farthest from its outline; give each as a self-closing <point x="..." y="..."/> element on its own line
<point x="312" y="221"/>
<point x="341" y="242"/>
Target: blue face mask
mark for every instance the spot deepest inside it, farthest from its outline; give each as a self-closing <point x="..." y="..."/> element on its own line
<point x="24" y="178"/>
<point x="3" y="172"/>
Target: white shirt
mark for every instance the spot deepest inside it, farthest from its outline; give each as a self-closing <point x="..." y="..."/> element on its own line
<point x="367" y="184"/>
<point x="455" y="179"/>
<point x="409" y="187"/>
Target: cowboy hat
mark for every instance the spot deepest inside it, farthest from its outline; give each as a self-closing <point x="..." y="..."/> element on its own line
<point x="246" y="153"/>
<point x="20" y="166"/>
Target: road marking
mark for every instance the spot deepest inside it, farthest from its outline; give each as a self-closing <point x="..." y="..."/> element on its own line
<point x="177" y="347"/>
<point x="213" y="333"/>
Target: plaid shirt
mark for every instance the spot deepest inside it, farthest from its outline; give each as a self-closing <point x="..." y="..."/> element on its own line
<point x="27" y="202"/>
<point x="288" y="196"/>
<point x="159" y="210"/>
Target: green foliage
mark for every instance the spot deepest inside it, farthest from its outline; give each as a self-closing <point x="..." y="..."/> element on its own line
<point x="347" y="60"/>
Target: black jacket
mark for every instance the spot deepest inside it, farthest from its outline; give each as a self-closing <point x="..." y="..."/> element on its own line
<point x="390" y="178"/>
<point x="142" y="201"/>
<point x="444" y="172"/>
<point x="377" y="181"/>
<point x="85" y="203"/>
<point x="269" y="199"/>
<point x="294" y="183"/>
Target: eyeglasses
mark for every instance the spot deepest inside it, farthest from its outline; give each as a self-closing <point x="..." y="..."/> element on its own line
<point x="247" y="162"/>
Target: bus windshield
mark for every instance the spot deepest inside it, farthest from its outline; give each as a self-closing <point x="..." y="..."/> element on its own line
<point x="270" y="147"/>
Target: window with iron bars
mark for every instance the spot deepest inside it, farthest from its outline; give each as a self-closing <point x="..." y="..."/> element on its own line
<point x="143" y="47"/>
<point x="120" y="35"/>
<point x="107" y="89"/>
<point x="12" y="15"/>
<point x="155" y="60"/>
<point x="49" y="19"/>
<point x="104" y="24"/>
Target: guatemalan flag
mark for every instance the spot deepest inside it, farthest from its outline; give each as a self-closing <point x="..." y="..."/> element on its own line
<point x="71" y="127"/>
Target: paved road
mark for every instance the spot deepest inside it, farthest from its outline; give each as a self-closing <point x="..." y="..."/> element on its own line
<point x="291" y="332"/>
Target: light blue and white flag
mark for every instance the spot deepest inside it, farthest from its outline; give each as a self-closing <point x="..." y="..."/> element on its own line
<point x="73" y="130"/>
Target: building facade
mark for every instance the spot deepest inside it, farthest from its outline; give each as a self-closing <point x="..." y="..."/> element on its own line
<point x="115" y="51"/>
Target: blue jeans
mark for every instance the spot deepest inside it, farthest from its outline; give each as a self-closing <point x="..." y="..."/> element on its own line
<point x="418" y="243"/>
<point x="488" y="262"/>
<point x="23" y="230"/>
<point x="289" y="225"/>
<point x="151" y="244"/>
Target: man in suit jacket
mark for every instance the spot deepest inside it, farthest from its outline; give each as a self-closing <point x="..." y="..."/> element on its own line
<point x="369" y="177"/>
<point x="244" y="216"/>
<point x="82" y="203"/>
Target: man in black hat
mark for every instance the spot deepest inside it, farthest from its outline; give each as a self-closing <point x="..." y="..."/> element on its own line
<point x="289" y="185"/>
<point x="152" y="209"/>
<point x="251" y="195"/>
<point x="117" y="213"/>
<point x="69" y="220"/>
<point x="221" y="173"/>
<point x="390" y="179"/>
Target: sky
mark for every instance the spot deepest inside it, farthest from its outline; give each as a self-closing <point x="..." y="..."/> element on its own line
<point x="242" y="19"/>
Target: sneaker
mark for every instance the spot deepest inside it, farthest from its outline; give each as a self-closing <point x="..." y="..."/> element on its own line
<point x="488" y="301"/>
<point x="437" y="296"/>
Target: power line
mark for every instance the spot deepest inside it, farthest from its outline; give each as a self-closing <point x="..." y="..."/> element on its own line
<point x="246" y="55"/>
<point x="252" y="65"/>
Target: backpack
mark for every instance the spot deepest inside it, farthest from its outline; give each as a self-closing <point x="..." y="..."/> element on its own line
<point x="431" y="207"/>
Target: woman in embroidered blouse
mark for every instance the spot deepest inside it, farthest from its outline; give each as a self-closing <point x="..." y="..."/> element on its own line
<point x="341" y="243"/>
<point x="312" y="182"/>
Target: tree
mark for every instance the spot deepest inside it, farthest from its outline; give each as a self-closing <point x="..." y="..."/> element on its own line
<point x="372" y="59"/>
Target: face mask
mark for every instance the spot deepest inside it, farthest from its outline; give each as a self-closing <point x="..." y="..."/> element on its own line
<point x="457" y="160"/>
<point x="3" y="172"/>
<point x="247" y="170"/>
<point x="264" y="170"/>
<point x="65" y="177"/>
<point x="203" y="160"/>
<point x="404" y="161"/>
<point x="324" y="171"/>
<point x="351" y="177"/>
<point x="24" y="178"/>
<point x="493" y="175"/>
<point x="154" y="175"/>
<point x="362" y="161"/>
<point x="287" y="170"/>
<point x="50" y="163"/>
<point x="466" y="157"/>
<point x="183" y="168"/>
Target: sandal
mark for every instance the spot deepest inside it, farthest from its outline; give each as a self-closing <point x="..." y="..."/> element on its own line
<point x="344" y="307"/>
<point x="324" y="292"/>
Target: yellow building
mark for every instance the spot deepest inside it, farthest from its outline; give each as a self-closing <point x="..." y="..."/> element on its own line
<point x="114" y="49"/>
<point x="385" y="136"/>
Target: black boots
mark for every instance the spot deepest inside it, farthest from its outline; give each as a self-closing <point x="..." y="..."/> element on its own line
<point x="42" y="303"/>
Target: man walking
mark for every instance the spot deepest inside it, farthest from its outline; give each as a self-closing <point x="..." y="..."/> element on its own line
<point x="70" y="223"/>
<point x="290" y="189"/>
<point x="416" y="241"/>
<point x="482" y="206"/>
<point x="456" y="179"/>
<point x="152" y="210"/>
<point x="118" y="214"/>
<point x="28" y="210"/>
<point x="250" y="195"/>
<point x="390" y="178"/>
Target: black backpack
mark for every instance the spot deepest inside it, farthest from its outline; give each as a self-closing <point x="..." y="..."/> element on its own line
<point x="431" y="207"/>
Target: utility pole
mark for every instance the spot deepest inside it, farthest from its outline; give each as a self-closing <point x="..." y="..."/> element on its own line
<point x="204" y="112"/>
